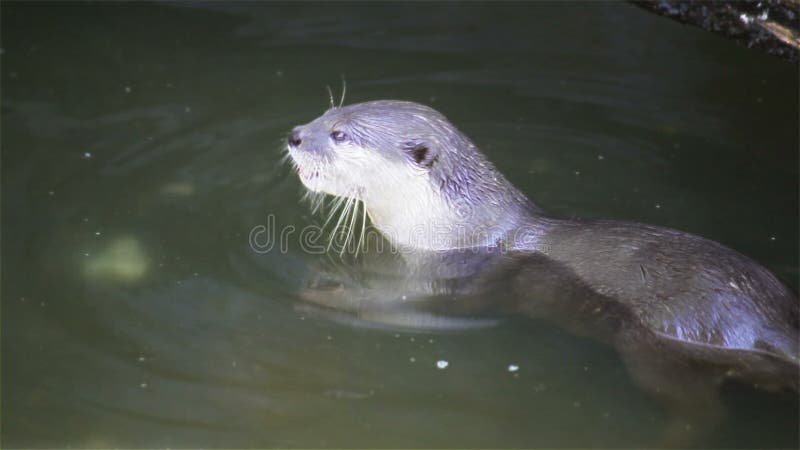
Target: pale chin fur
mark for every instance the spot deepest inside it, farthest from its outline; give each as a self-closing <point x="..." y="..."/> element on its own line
<point x="310" y="178"/>
<point x="308" y="171"/>
<point x="394" y="211"/>
<point x="319" y="176"/>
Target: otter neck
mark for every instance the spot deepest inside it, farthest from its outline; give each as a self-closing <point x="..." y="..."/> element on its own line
<point x="419" y="221"/>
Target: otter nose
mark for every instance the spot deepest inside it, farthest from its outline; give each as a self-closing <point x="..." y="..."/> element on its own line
<point x="294" y="138"/>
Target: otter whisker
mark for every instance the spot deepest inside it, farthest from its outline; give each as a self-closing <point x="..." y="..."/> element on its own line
<point x="330" y="97"/>
<point x="317" y="200"/>
<point x="363" y="226"/>
<point x="351" y="230"/>
<point x="336" y="206"/>
<point x="310" y="197"/>
<point x="344" y="212"/>
<point x="332" y="234"/>
<point x="285" y="157"/>
<point x="344" y="90"/>
<point x="324" y="208"/>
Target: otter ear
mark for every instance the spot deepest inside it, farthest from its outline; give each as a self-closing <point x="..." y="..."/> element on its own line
<point x="420" y="152"/>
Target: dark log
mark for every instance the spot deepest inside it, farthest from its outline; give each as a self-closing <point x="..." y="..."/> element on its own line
<point x="769" y="25"/>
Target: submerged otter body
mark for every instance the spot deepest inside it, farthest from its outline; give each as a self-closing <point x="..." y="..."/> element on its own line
<point x="664" y="298"/>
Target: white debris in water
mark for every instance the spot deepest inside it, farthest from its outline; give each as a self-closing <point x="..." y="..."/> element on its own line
<point x="141" y="359"/>
<point x="87" y="155"/>
<point x="97" y="233"/>
<point x="658" y="205"/>
<point x="128" y="89"/>
<point x="178" y="189"/>
<point x="513" y="367"/>
<point x="412" y="359"/>
<point x="442" y="364"/>
<point x="123" y="260"/>
<point x="772" y="238"/>
<point x="349" y="395"/>
<point x="576" y="404"/>
<point x="143" y="385"/>
<point x="600" y="157"/>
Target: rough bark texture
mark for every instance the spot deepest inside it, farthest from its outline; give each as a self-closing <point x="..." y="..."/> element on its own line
<point x="769" y="25"/>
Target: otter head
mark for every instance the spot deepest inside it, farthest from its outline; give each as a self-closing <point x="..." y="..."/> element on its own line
<point x="424" y="183"/>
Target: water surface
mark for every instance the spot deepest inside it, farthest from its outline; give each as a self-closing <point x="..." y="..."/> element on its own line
<point x="140" y="145"/>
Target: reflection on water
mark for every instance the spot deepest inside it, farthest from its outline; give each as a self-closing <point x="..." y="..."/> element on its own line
<point x="140" y="147"/>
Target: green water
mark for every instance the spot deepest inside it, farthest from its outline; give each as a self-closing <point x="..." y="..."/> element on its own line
<point x="140" y="145"/>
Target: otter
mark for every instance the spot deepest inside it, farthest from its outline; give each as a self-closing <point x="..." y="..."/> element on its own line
<point x="684" y="312"/>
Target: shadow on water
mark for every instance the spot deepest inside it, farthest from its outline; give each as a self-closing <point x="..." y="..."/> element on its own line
<point x="140" y="146"/>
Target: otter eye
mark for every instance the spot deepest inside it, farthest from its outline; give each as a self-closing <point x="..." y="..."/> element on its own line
<point x="338" y="136"/>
